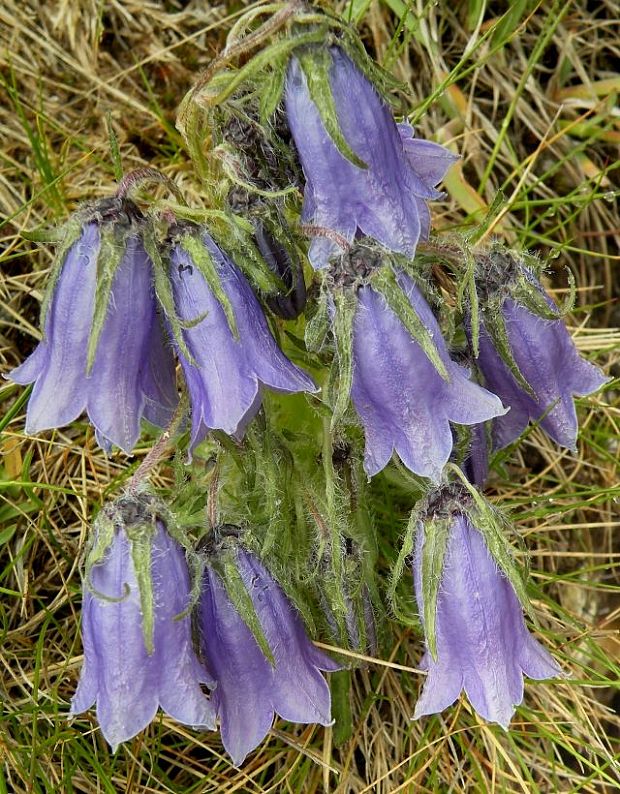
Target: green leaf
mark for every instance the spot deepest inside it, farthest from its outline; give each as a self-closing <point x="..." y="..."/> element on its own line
<point x="273" y="88"/>
<point x="318" y="325"/>
<point x="345" y="304"/>
<point x="315" y="64"/>
<point x="385" y="282"/>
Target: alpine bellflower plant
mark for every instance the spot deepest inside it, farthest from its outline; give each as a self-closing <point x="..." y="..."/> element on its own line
<point x="230" y="353"/>
<point x="108" y="358"/>
<point x="384" y="195"/>
<point x="250" y="687"/>
<point x="541" y="372"/>
<point x="136" y="628"/>
<point x="482" y="643"/>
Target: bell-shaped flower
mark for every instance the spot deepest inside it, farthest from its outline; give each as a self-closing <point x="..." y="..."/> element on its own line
<point x="404" y="403"/>
<point x="131" y="374"/>
<point x="136" y="628"/>
<point x="482" y="643"/>
<point x="250" y="687"/>
<point x="546" y="357"/>
<point x="229" y="353"/>
<point x="386" y="200"/>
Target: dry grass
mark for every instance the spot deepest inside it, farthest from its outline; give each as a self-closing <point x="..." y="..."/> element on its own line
<point x="529" y="102"/>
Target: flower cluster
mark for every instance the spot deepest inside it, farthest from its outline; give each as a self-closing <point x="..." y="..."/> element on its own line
<point x="439" y="379"/>
<point x="111" y="325"/>
<point x="138" y="648"/>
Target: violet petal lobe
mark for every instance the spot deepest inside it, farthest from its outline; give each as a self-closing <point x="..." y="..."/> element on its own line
<point x="381" y="201"/>
<point x="225" y="380"/>
<point x="483" y="644"/>
<point x="403" y="402"/>
<point x="549" y="361"/>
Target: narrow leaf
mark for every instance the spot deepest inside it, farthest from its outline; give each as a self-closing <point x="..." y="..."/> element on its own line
<point x="318" y="325"/>
<point x="345" y="305"/>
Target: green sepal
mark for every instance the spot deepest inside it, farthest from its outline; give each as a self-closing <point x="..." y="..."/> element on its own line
<point x="234" y="235"/>
<point x="317" y="326"/>
<point x="495" y="326"/>
<point x="492" y="525"/>
<point x="530" y="296"/>
<point x="233" y="176"/>
<point x="436" y="533"/>
<point x="163" y="290"/>
<point x="141" y="537"/>
<point x="103" y="536"/>
<point x="202" y="259"/>
<point x="384" y="280"/>
<point x="236" y="590"/>
<point x="70" y="233"/>
<point x="340" y="686"/>
<point x="315" y="63"/>
<point x="109" y="258"/>
<point x="345" y="305"/>
<point x="467" y="300"/>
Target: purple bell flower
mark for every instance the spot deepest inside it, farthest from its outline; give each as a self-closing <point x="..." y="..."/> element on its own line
<point x="386" y="200"/>
<point x="403" y="402"/>
<point x="126" y="681"/>
<point x="249" y="687"/>
<point x="550" y="363"/>
<point x="133" y="374"/>
<point x="226" y="376"/>
<point x="483" y="644"/>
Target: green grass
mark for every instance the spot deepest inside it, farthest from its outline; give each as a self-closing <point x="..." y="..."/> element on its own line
<point x="526" y="96"/>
